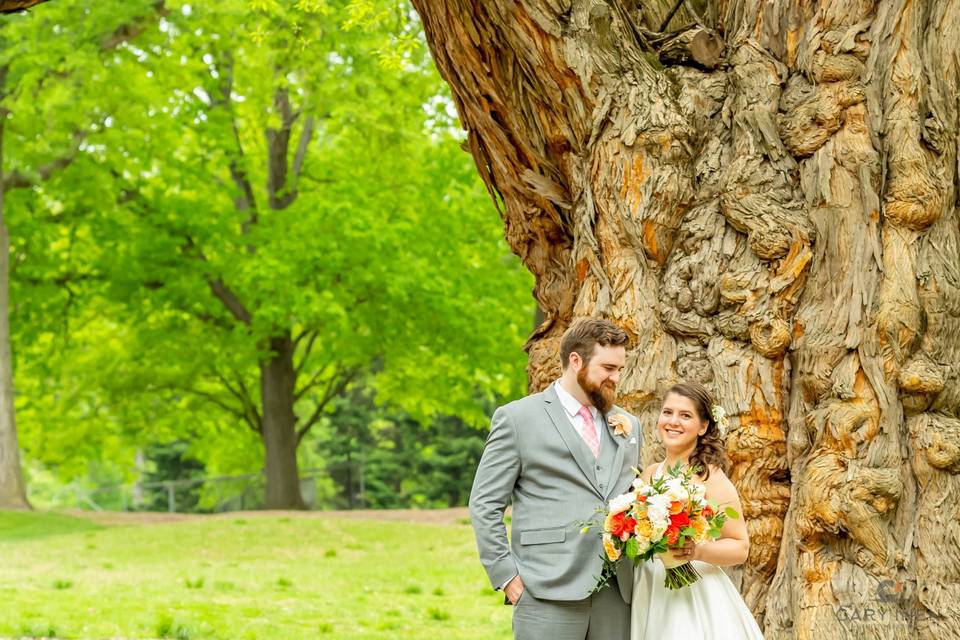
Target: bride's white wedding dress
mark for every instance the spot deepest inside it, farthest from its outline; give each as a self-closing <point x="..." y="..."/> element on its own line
<point x="711" y="608"/>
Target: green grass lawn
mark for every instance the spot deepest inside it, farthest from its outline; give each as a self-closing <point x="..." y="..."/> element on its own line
<point x="243" y="577"/>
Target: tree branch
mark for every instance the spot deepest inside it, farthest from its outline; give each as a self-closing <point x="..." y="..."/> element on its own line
<point x="281" y="194"/>
<point x="219" y="288"/>
<point x="131" y="30"/>
<point x="224" y="294"/>
<point x="333" y="390"/>
<point x="253" y="406"/>
<point x="17" y="180"/>
<point x="253" y="417"/>
<point x="300" y="336"/>
<point x="306" y="350"/>
<point x="302" y="147"/>
<point x="670" y="14"/>
<point x="211" y="397"/>
<point x="215" y="400"/>
<point x="246" y="200"/>
<point x="311" y="384"/>
<point x="63" y="279"/>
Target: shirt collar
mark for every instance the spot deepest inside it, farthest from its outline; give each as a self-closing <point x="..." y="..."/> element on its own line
<point x="570" y="404"/>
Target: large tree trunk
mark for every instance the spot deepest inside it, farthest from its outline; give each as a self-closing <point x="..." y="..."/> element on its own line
<point x="13" y="493"/>
<point x="277" y="382"/>
<point x="13" y="6"/>
<point x="779" y="222"/>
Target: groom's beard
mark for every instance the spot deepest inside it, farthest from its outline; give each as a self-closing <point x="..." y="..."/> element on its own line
<point x="601" y="395"/>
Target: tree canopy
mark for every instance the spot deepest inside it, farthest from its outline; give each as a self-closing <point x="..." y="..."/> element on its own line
<point x="237" y="176"/>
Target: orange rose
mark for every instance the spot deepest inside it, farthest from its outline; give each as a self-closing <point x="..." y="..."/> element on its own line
<point x="700" y="526"/>
<point x="673" y="534"/>
<point x="613" y="553"/>
<point x="643" y="529"/>
<point x="620" y="525"/>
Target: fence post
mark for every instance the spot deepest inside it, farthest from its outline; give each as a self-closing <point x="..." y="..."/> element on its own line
<point x="171" y="498"/>
<point x="140" y="463"/>
<point x="363" y="494"/>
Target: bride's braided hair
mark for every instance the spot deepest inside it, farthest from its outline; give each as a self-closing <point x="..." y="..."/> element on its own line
<point x="710" y="449"/>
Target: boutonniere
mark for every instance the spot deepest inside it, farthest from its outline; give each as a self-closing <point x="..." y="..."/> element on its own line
<point x="621" y="424"/>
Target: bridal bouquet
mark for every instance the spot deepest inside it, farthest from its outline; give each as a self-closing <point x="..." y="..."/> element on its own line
<point x="657" y="516"/>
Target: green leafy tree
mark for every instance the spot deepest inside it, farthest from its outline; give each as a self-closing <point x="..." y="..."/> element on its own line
<point x="276" y="204"/>
<point x="171" y="462"/>
<point x="41" y="84"/>
<point x="380" y="457"/>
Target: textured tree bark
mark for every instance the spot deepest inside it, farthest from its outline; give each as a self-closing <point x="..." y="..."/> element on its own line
<point x="12" y="6"/>
<point x="782" y="226"/>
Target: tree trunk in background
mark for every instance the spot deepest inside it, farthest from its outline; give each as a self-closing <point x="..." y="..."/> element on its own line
<point x="13" y="493"/>
<point x="277" y="380"/>
<point x="779" y="222"/>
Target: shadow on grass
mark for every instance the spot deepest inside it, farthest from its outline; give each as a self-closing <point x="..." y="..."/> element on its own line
<point x="18" y="526"/>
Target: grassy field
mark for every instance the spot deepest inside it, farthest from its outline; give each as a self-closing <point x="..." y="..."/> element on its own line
<point x="243" y="576"/>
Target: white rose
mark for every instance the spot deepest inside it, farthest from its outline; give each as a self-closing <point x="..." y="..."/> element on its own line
<point x="659" y="528"/>
<point x="676" y="491"/>
<point x="658" y="512"/>
<point x="622" y="502"/>
<point x="644" y="544"/>
<point x="659" y="501"/>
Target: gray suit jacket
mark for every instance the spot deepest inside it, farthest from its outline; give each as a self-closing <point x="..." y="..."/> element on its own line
<point x="535" y="459"/>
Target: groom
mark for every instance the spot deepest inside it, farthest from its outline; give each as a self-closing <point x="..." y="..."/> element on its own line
<point x="557" y="456"/>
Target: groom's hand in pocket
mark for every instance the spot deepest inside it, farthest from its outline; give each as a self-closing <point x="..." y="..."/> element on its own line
<point x="514" y="590"/>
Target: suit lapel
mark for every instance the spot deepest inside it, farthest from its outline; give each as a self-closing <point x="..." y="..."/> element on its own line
<point x="621" y="452"/>
<point x="570" y="436"/>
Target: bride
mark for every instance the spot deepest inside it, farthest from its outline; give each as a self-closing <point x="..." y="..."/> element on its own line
<point x="711" y="607"/>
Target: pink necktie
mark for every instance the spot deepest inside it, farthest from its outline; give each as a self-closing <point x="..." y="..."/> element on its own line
<point x="589" y="430"/>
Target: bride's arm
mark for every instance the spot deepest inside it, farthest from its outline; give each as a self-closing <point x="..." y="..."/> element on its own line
<point x="734" y="544"/>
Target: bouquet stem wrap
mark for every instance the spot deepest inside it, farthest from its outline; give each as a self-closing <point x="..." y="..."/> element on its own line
<point x="679" y="573"/>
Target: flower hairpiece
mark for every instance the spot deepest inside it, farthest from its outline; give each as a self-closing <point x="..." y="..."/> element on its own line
<point x="720" y="417"/>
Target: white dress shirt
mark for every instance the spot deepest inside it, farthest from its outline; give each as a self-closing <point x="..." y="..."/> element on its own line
<point x="571" y="407"/>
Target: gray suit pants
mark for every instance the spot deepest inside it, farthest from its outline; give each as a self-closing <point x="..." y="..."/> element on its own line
<point x="602" y="616"/>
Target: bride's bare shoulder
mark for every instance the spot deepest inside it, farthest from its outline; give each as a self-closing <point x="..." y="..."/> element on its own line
<point x="647" y="472"/>
<point x="716" y="470"/>
<point x="718" y="482"/>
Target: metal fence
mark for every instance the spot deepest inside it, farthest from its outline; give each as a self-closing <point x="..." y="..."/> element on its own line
<point x="202" y="494"/>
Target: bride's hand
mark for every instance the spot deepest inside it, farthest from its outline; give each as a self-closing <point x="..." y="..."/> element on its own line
<point x="686" y="552"/>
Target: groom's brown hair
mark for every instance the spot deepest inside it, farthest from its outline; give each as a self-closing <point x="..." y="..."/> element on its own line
<point x="583" y="335"/>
